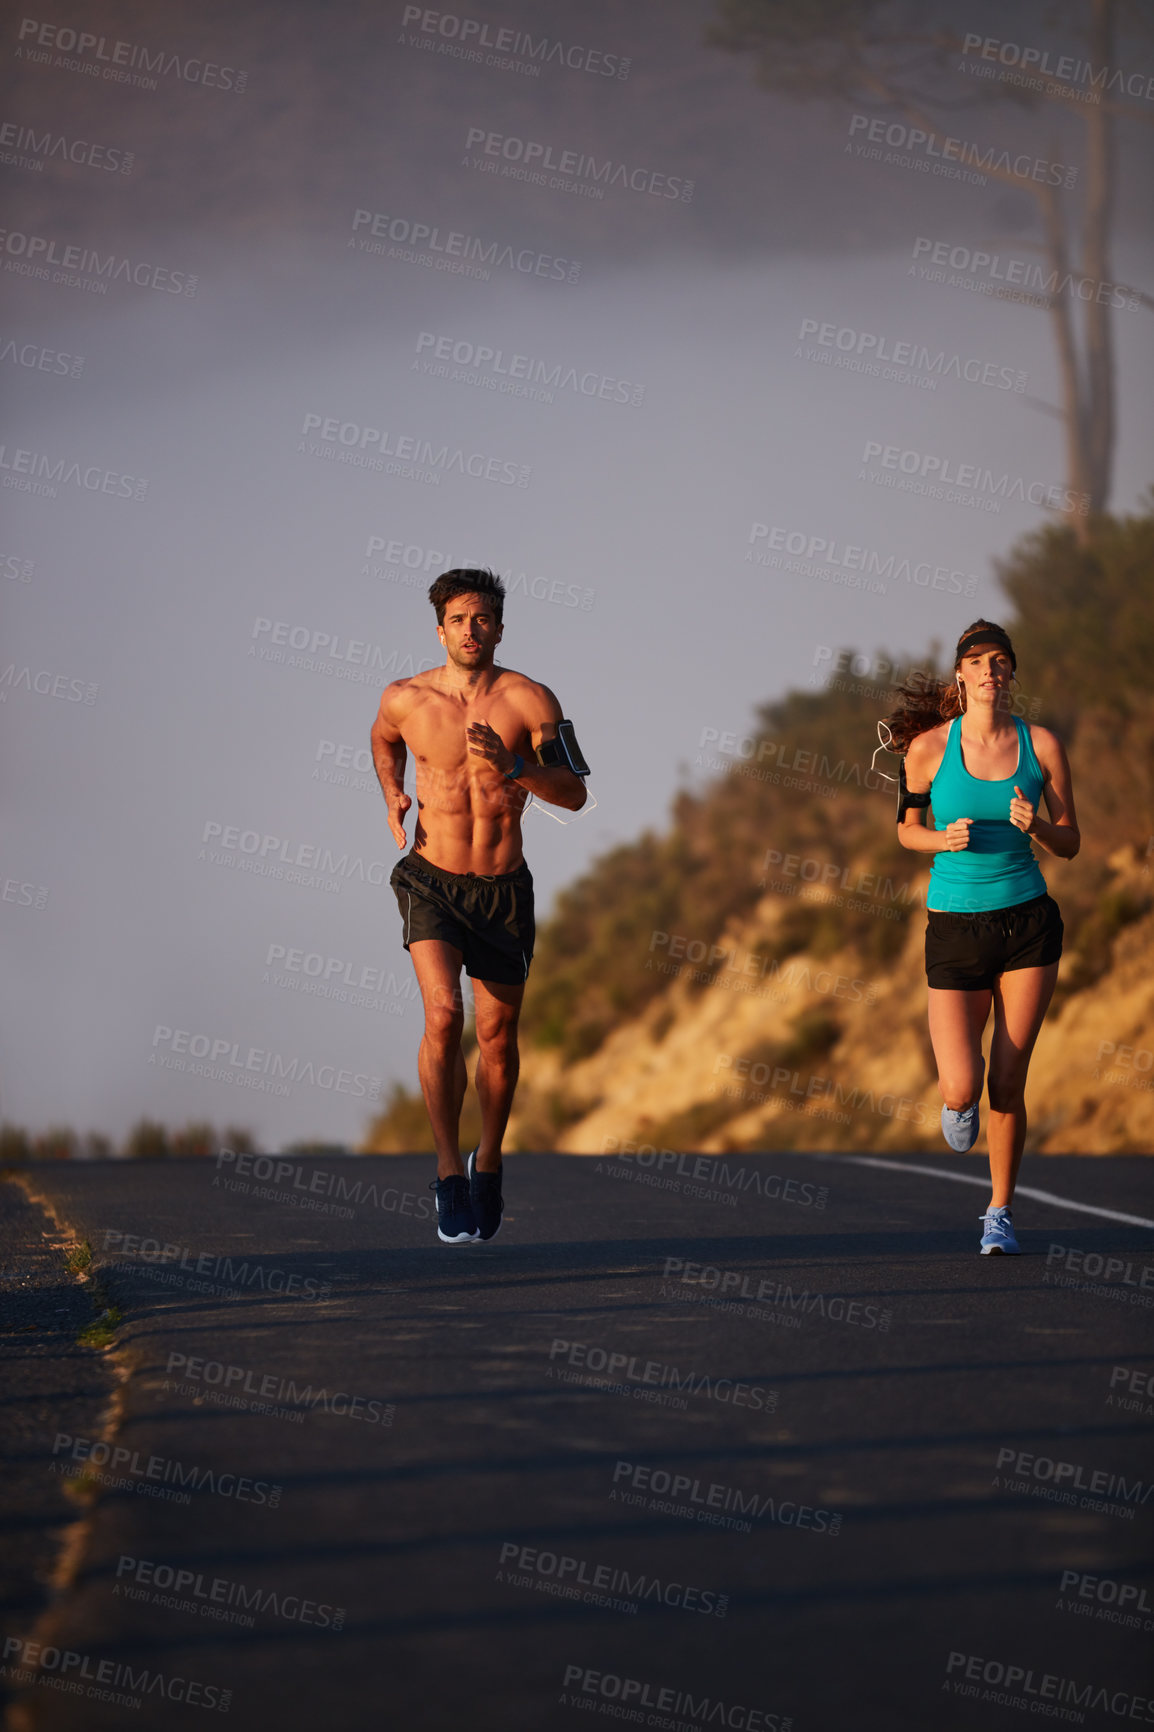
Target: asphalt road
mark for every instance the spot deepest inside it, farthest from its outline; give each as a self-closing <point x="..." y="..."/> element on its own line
<point x="47" y="1381"/>
<point x="679" y="1448"/>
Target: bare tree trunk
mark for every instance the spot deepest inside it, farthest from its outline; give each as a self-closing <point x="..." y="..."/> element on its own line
<point x="1082" y="323"/>
<point x="1100" y="178"/>
<point x="1075" y="419"/>
<point x="1087" y="386"/>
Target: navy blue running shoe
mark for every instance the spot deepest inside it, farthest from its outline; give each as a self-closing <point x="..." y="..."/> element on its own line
<point x="455" y="1222"/>
<point x="485" y="1193"/>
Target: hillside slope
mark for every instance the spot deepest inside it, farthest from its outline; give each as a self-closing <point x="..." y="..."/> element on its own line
<point x="819" y="1052"/>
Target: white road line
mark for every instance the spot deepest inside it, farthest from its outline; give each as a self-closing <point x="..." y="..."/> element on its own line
<point x="970" y="1179"/>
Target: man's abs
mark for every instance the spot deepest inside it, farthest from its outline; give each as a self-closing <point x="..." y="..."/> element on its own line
<point x="468" y="813"/>
<point x="475" y="828"/>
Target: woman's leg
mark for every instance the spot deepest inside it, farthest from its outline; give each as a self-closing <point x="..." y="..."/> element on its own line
<point x="956" y="1023"/>
<point x="1020" y="1000"/>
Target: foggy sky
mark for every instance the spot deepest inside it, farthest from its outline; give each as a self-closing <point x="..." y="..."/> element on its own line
<point x="626" y="548"/>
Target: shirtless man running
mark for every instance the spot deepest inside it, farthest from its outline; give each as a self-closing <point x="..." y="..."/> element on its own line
<point x="484" y="739"/>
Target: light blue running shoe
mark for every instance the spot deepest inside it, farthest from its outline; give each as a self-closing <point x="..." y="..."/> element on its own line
<point x="961" y="1129"/>
<point x="998" y="1237"/>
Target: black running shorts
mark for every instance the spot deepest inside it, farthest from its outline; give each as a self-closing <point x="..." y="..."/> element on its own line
<point x="489" y="920"/>
<point x="966" y="952"/>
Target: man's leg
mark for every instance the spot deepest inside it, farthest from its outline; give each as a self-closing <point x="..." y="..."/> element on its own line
<point x="440" y="1061"/>
<point x="497" y="1008"/>
<point x="1021" y="997"/>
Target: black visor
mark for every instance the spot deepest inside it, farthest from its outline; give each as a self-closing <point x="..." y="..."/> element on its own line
<point x="987" y="634"/>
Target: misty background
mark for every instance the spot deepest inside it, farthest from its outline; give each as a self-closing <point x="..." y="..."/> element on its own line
<point x="149" y="699"/>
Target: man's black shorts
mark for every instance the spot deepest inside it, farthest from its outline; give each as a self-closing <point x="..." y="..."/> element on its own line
<point x="489" y="920"/>
<point x="966" y="952"/>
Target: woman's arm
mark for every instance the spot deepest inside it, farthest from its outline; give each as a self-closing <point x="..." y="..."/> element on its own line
<point x="1061" y="837"/>
<point x="922" y="762"/>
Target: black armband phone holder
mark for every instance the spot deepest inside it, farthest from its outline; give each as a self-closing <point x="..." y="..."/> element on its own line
<point x="906" y="800"/>
<point x="564" y="750"/>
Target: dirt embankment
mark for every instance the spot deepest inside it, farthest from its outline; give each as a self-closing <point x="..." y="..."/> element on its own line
<point x="829" y="1052"/>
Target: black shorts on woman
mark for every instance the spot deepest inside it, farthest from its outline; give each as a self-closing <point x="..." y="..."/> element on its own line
<point x="967" y="952"/>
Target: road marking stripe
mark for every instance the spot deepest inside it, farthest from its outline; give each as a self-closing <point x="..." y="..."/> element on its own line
<point x="969" y="1179"/>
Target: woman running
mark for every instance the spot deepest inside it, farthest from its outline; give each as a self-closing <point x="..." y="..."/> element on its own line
<point x="993" y="935"/>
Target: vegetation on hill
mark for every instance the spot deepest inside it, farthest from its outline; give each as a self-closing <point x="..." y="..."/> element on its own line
<point x="147" y="1140"/>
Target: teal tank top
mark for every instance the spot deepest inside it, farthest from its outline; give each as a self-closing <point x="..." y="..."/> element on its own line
<point x="998" y="869"/>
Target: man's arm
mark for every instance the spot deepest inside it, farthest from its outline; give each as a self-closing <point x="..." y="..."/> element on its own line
<point x="557" y="785"/>
<point x="389" y="758"/>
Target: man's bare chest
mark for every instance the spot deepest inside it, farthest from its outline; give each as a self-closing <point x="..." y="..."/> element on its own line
<point x="436" y="733"/>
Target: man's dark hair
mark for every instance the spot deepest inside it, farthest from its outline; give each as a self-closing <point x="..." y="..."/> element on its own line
<point x="464" y="581"/>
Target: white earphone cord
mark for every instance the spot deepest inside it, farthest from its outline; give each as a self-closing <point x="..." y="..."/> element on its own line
<point x="887" y="745"/>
